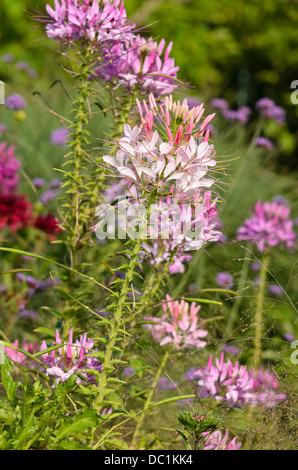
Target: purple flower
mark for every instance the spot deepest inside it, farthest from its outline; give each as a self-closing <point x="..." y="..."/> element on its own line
<point x="230" y="348"/>
<point x="28" y="314"/>
<point x="264" y="142"/>
<point x="275" y="289"/>
<point x="8" y="57"/>
<point x="140" y="63"/>
<point x="268" y="226"/>
<point x="264" y="103"/>
<point x="178" y="325"/>
<point x="241" y="115"/>
<point x="2" y="289"/>
<point x="3" y="128"/>
<point x="289" y="337"/>
<point x="164" y="383"/>
<point x="220" y="104"/>
<point x="15" y="102"/>
<point x="128" y="371"/>
<point x="265" y="386"/>
<point x="215" y="441"/>
<point x="88" y="21"/>
<point x="22" y="65"/>
<point x="235" y="386"/>
<point x="255" y="266"/>
<point x="225" y="280"/>
<point x="55" y="183"/>
<point x="9" y="166"/>
<point x="225" y="382"/>
<point x="38" y="182"/>
<point x="48" y="196"/>
<point x="59" y="136"/>
<point x="70" y="359"/>
<point x="270" y="110"/>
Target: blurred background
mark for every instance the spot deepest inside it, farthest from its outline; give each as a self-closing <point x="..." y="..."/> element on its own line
<point x="241" y="51"/>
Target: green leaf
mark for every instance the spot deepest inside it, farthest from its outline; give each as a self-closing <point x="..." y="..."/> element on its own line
<point x="9" y="385"/>
<point x="204" y="301"/>
<point x="46" y="331"/>
<point x="71" y="445"/>
<point x="24" y="433"/>
<point x="80" y="423"/>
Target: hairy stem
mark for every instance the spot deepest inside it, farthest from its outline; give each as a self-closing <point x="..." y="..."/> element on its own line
<point x="259" y="313"/>
<point x="118" y="321"/>
<point x="149" y="399"/>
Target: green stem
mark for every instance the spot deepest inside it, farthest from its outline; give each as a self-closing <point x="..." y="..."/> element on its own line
<point x="149" y="399"/>
<point x="242" y="281"/>
<point x="78" y="134"/>
<point x="118" y="322"/>
<point x="259" y="314"/>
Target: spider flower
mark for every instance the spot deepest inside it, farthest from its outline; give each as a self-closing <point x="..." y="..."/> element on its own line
<point x="18" y="356"/>
<point x="178" y="325"/>
<point x="269" y="226"/>
<point x="235" y="385"/>
<point x="70" y="359"/>
<point x="216" y="441"/>
<point x="179" y="229"/>
<point x="179" y="162"/>
<point x="226" y="382"/>
<point x="9" y="166"/>
<point x="265" y="386"/>
<point x="140" y="63"/>
<point x="88" y="20"/>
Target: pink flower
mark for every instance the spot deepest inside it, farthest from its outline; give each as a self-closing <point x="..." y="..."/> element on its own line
<point x="175" y="165"/>
<point x="178" y="325"/>
<point x="215" y="441"/>
<point x="9" y="166"/>
<point x="70" y="359"/>
<point x="269" y="226"/>
<point x="140" y="63"/>
<point x="18" y="356"/>
<point x="236" y="386"/>
<point x="88" y="20"/>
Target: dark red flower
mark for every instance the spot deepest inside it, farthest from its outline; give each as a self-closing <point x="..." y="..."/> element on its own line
<point x="48" y="224"/>
<point x="15" y="212"/>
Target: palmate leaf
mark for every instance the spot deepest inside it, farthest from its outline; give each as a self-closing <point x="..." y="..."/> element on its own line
<point x="9" y="385"/>
<point x="25" y="433"/>
<point x="80" y="423"/>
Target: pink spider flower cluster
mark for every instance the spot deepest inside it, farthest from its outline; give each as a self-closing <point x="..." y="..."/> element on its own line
<point x="9" y="166"/>
<point x="216" y="441"/>
<point x="265" y="385"/>
<point x="88" y="20"/>
<point x="175" y="163"/>
<point x="235" y="386"/>
<point x="140" y="63"/>
<point x="188" y="228"/>
<point x="18" y="356"/>
<point x="269" y="226"/>
<point x="179" y="325"/>
<point x="71" y="358"/>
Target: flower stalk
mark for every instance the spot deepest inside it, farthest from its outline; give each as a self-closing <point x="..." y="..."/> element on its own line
<point x="259" y="313"/>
